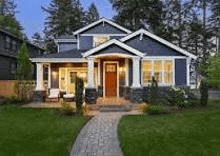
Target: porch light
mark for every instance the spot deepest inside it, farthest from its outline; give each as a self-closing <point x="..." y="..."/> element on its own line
<point x="54" y="73"/>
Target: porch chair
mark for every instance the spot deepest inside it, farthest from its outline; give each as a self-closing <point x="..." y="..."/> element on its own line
<point x="54" y="94"/>
<point x="68" y="97"/>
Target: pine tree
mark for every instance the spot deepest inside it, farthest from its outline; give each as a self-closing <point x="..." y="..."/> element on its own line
<point x="64" y="17"/>
<point x="92" y="15"/>
<point x="215" y="21"/>
<point x="8" y="7"/>
<point x="37" y="40"/>
<point x="24" y="72"/>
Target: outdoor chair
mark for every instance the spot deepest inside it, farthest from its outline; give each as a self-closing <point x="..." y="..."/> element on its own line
<point x="54" y="94"/>
<point x="68" y="97"/>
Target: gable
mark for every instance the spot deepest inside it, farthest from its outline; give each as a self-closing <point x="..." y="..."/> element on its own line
<point x="104" y="29"/>
<point x="112" y="49"/>
<point x="151" y="46"/>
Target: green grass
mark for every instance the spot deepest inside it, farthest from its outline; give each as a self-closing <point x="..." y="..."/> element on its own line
<point x="36" y="132"/>
<point x="190" y="133"/>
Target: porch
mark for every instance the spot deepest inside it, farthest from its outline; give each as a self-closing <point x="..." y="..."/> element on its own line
<point x="105" y="77"/>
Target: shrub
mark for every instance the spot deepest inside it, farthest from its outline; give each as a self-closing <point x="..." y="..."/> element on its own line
<point x="157" y="109"/>
<point x="143" y="108"/>
<point x="13" y="100"/>
<point x="79" y="84"/>
<point x="66" y="109"/>
<point x="204" y="93"/>
<point x="153" y="99"/>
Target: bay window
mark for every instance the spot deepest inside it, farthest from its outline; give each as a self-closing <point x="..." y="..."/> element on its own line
<point x="161" y="69"/>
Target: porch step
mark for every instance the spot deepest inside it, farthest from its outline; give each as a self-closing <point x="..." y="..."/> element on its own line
<point x="114" y="109"/>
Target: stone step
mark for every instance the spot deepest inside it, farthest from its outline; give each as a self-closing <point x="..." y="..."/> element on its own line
<point x="115" y="109"/>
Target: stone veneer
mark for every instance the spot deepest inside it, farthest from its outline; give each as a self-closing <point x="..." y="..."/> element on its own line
<point x="39" y="96"/>
<point x="91" y="96"/>
<point x="136" y="95"/>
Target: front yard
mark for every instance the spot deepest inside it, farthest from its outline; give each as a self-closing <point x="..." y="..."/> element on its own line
<point x="183" y="133"/>
<point x="36" y="132"/>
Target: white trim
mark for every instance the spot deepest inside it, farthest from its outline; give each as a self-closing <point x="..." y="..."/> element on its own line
<point x="58" y="60"/>
<point x="99" y="21"/>
<point x="49" y="75"/>
<point x="113" y="54"/>
<point x="127" y="72"/>
<point x="188" y="60"/>
<point x="159" y="40"/>
<point x="103" y="34"/>
<point x="164" y="57"/>
<point x="113" y="41"/>
<point x="104" y="76"/>
<point x="65" y="40"/>
<point x="163" y="71"/>
<point x="58" y="46"/>
<point x="93" y="39"/>
<point x="78" y="47"/>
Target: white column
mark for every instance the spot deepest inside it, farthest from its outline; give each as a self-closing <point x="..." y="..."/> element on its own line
<point x="136" y="72"/>
<point x="90" y="72"/>
<point x="127" y="72"/>
<point x="49" y="75"/>
<point x="188" y="60"/>
<point x="40" y="81"/>
<point x="99" y="78"/>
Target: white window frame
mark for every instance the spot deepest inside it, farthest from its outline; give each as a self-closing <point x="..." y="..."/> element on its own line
<point x="163" y="72"/>
<point x="100" y="35"/>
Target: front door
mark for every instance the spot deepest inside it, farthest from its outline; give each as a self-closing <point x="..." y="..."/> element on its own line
<point x="110" y="79"/>
<point x="71" y="82"/>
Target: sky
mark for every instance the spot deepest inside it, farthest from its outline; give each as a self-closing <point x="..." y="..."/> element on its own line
<point x="32" y="17"/>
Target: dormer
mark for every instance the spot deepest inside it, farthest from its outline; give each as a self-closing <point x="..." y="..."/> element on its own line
<point x="66" y="43"/>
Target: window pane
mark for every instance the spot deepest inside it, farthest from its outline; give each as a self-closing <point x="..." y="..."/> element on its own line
<point x="63" y="79"/>
<point x="100" y="39"/>
<point x="158" y="71"/>
<point x="168" y="73"/>
<point x="147" y="67"/>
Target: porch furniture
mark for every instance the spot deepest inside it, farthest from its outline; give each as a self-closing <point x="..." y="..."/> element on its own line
<point x="68" y="97"/>
<point x="54" y="94"/>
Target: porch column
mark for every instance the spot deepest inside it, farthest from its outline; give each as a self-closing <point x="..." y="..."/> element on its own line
<point x="136" y="72"/>
<point x="40" y="81"/>
<point x="127" y="72"/>
<point x="90" y="72"/>
<point x="49" y="75"/>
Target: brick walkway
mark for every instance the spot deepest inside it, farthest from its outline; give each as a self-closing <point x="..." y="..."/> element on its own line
<point x="99" y="136"/>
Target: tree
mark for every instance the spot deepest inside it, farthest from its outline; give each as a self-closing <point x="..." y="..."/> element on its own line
<point x="8" y="7"/>
<point x="37" y="40"/>
<point x="64" y="17"/>
<point x="133" y="13"/>
<point x="92" y="15"/>
<point x="215" y="21"/>
<point x="24" y="72"/>
<point x="214" y="70"/>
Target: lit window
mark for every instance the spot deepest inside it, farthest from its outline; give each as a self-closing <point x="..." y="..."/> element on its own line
<point x="168" y="73"/>
<point x="159" y="69"/>
<point x="100" y="39"/>
<point x="147" y="72"/>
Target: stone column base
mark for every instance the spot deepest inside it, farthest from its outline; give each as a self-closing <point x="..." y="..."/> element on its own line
<point x="40" y="95"/>
<point x="91" y="96"/>
<point x="136" y="95"/>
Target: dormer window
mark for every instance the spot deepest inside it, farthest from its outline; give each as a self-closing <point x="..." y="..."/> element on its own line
<point x="99" y="39"/>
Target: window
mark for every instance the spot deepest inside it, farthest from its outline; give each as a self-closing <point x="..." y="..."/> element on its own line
<point x="12" y="67"/>
<point x="14" y="45"/>
<point x="7" y="42"/>
<point x="100" y="39"/>
<point x="162" y="70"/>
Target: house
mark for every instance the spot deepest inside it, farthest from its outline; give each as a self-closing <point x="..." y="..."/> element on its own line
<point x="113" y="61"/>
<point x="9" y="47"/>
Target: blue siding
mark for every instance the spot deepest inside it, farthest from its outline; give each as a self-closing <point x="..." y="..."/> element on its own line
<point x="130" y="72"/>
<point x="151" y="47"/>
<point x="67" y="46"/>
<point x="113" y="49"/>
<point x="106" y="29"/>
<point x="180" y="71"/>
<point x="85" y="42"/>
<point x="116" y="37"/>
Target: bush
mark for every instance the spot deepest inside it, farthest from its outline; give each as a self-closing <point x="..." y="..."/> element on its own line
<point x="79" y="84"/>
<point x="157" y="109"/>
<point x="13" y="100"/>
<point x="204" y="93"/>
<point x="143" y="108"/>
<point x="66" y="109"/>
<point x="153" y="98"/>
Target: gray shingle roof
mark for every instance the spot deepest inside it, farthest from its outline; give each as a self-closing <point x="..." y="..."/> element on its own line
<point x="66" y="37"/>
<point x="68" y="54"/>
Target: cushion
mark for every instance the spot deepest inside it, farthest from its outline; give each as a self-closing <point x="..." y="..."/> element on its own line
<point x="68" y="95"/>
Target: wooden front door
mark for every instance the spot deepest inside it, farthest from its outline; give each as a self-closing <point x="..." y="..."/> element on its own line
<point x="110" y="79"/>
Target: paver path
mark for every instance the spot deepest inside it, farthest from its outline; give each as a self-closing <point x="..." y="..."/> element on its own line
<point x="99" y="136"/>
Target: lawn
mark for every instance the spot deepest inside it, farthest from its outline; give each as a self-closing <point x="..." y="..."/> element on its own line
<point x="36" y="132"/>
<point x="189" y="133"/>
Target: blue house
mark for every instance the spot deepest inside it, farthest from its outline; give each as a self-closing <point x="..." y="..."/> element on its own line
<point x="114" y="62"/>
